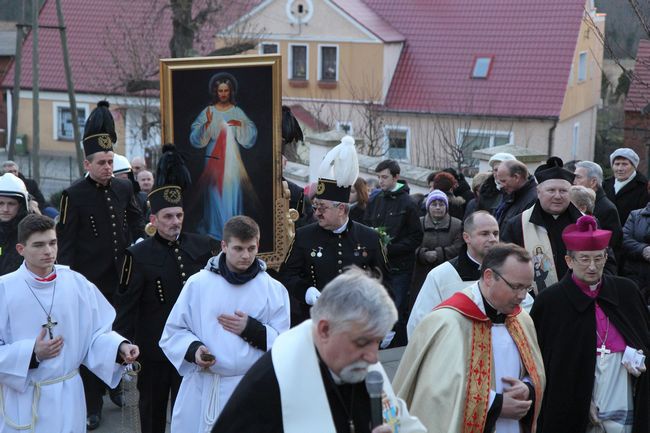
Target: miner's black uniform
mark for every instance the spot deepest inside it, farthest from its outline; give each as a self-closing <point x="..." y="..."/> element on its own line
<point x="318" y="255"/>
<point x="153" y="274"/>
<point x="96" y="224"/>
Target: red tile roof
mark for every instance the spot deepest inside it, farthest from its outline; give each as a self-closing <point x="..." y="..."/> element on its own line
<point x="105" y="40"/>
<point x="306" y="118"/>
<point x="367" y="17"/>
<point x="638" y="96"/>
<point x="533" y="43"/>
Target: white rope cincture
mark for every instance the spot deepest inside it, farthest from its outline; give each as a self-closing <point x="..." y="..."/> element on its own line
<point x="212" y="411"/>
<point x="35" y="399"/>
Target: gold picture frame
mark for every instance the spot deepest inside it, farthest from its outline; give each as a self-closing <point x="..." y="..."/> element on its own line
<point x="231" y="144"/>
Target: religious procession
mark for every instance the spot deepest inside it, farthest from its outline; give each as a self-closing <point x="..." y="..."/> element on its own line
<point x="198" y="285"/>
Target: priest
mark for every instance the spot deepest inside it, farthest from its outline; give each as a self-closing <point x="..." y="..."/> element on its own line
<point x="593" y="330"/>
<point x="473" y="364"/>
<point x="312" y="380"/>
<point x="539" y="228"/>
<point x="52" y="320"/>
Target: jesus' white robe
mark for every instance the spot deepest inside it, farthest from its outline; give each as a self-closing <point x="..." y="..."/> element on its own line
<point x="207" y="295"/>
<point x="84" y="319"/>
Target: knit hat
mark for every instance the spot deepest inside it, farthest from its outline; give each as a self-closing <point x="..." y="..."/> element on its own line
<point x="627" y="153"/>
<point x="436" y="194"/>
<point x="585" y="236"/>
<point x="500" y="157"/>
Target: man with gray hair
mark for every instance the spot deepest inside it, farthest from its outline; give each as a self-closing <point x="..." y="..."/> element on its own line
<point x="312" y="379"/>
<point x="590" y="175"/>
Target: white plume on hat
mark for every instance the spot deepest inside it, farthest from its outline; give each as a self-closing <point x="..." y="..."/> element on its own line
<point x="341" y="163"/>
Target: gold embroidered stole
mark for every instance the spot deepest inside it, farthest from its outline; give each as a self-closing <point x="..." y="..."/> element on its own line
<point x="480" y="372"/>
<point x="479" y="376"/>
<point x="517" y="333"/>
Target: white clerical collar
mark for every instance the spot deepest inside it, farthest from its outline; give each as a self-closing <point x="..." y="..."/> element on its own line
<point x="342" y="228"/>
<point x="618" y="184"/>
<point x="473" y="259"/>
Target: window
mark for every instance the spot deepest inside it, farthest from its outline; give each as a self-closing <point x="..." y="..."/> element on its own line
<point x="269" y="48"/>
<point x="328" y="63"/>
<point x="582" y="66"/>
<point x="298" y="62"/>
<point x="344" y="127"/>
<point x="63" y="121"/>
<point x="397" y="141"/>
<point x="576" y="140"/>
<point x="470" y="140"/>
<point x="482" y="67"/>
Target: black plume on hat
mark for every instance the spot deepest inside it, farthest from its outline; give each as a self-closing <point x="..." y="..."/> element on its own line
<point x="553" y="169"/>
<point x="101" y="121"/>
<point x="171" y="169"/>
<point x="291" y="130"/>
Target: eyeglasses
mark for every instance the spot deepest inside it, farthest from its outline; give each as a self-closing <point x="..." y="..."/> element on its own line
<point x="322" y="208"/>
<point x="586" y="260"/>
<point x="516" y="289"/>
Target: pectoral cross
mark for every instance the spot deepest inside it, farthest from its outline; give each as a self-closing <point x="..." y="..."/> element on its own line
<point x="603" y="351"/>
<point x="50" y="325"/>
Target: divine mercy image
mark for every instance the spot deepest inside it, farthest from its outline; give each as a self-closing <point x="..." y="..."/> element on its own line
<point x="220" y="129"/>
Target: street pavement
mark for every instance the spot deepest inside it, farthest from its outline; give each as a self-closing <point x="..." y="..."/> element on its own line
<point x="112" y="421"/>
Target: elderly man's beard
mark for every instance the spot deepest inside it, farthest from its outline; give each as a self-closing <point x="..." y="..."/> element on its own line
<point x="355" y="372"/>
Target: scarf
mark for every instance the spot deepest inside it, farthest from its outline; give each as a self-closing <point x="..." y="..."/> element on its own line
<point x="218" y="266"/>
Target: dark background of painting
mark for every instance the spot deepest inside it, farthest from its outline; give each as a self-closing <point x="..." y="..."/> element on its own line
<point x="190" y="95"/>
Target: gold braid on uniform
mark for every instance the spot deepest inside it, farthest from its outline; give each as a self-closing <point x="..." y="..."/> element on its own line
<point x="63" y="206"/>
<point x="290" y="249"/>
<point x="126" y="270"/>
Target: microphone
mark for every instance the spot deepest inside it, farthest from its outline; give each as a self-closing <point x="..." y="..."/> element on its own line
<point x="374" y="386"/>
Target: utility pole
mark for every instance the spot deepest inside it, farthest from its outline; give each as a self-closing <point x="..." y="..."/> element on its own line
<point x="71" y="97"/>
<point x="20" y="37"/>
<point x="36" y="160"/>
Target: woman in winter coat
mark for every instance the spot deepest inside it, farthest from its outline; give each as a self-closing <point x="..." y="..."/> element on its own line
<point x="442" y="241"/>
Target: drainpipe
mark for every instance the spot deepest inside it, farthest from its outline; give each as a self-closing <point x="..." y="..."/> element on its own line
<point x="550" y="138"/>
